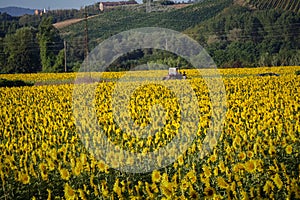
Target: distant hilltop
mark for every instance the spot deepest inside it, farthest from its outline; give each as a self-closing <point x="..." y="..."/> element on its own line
<point x="103" y="5"/>
<point x="17" y="11"/>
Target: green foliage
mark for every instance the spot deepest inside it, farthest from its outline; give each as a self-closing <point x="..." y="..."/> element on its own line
<point x="233" y="35"/>
<point x="121" y="19"/>
<point x="2" y="54"/>
<point x="30" y="20"/>
<point x="277" y="4"/>
<point x="50" y="44"/>
<point x="22" y="52"/>
<point x="252" y="37"/>
<point x="13" y="83"/>
<point x="297" y="72"/>
<point x="60" y="62"/>
<point x="167" y="2"/>
<point x="147" y="56"/>
<point x="266" y="33"/>
<point x="8" y="24"/>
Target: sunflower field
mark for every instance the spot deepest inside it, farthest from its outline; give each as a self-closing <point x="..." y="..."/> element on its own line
<point x="255" y="156"/>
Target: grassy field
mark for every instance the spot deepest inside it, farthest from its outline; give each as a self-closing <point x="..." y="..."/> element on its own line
<point x="45" y="154"/>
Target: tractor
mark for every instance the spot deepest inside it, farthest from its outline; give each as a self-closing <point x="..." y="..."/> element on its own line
<point x="174" y="74"/>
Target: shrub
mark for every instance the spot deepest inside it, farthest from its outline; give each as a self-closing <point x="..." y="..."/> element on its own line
<point x="13" y="83"/>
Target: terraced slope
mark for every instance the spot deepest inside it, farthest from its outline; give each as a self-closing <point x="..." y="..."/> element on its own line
<point x="118" y="20"/>
<point x="292" y="5"/>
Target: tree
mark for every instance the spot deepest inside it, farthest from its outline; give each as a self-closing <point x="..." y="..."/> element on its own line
<point x="60" y="62"/>
<point x="50" y="44"/>
<point x="2" y="55"/>
<point x="22" y="51"/>
<point x="30" y="20"/>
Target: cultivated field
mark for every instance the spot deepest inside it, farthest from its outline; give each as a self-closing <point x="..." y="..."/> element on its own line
<point x="45" y="155"/>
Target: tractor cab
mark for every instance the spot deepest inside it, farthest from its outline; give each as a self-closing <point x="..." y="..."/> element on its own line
<point x="173" y="74"/>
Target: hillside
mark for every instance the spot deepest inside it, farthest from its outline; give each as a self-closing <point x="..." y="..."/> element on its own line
<point x="66" y="23"/>
<point x="290" y="5"/>
<point x="121" y="19"/>
<point x="239" y="33"/>
<point x="243" y="36"/>
<point x="234" y="32"/>
<point x="125" y="18"/>
<point x="16" y="11"/>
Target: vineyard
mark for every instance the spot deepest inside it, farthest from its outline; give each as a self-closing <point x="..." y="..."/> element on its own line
<point x="293" y="5"/>
<point x="43" y="156"/>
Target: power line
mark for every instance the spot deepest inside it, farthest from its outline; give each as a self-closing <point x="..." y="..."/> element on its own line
<point x="86" y="35"/>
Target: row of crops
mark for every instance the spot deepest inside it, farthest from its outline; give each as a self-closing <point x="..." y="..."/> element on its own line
<point x="293" y="5"/>
<point x="50" y="151"/>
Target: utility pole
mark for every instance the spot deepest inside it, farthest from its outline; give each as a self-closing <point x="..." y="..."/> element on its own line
<point x="167" y="48"/>
<point x="86" y="36"/>
<point x="86" y="42"/>
<point x="148" y="6"/>
<point x="65" y="51"/>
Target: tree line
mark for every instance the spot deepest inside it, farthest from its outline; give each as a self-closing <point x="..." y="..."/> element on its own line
<point x="251" y="38"/>
<point x="233" y="35"/>
<point x="30" y="49"/>
<point x="112" y="22"/>
<point x="30" y="43"/>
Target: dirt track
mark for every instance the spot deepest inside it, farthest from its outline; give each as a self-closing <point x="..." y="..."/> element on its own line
<point x="66" y="23"/>
<point x="69" y="22"/>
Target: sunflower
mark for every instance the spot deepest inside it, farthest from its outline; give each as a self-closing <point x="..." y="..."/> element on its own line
<point x="272" y="150"/>
<point x="130" y="160"/>
<point x="104" y="189"/>
<point x="268" y="187"/>
<point x="289" y="149"/>
<point x="222" y="166"/>
<point x="204" y="179"/>
<point x="222" y="183"/>
<point x="209" y="192"/>
<point x="117" y="189"/>
<point x="31" y="170"/>
<point x="213" y="142"/>
<point x="101" y="166"/>
<point x="233" y="186"/>
<point x="148" y="190"/>
<point x="193" y="194"/>
<point x="51" y="165"/>
<point x="64" y="173"/>
<point x="242" y="155"/>
<point x="81" y="194"/>
<point x="25" y="178"/>
<point x="250" y="166"/>
<point x="236" y="168"/>
<point x="156" y="176"/>
<point x="43" y="170"/>
<point x="69" y="192"/>
<point x="207" y="171"/>
<point x="167" y="189"/>
<point x="184" y="185"/>
<point x="216" y="171"/>
<point x="250" y="154"/>
<point x="49" y="194"/>
<point x="180" y="160"/>
<point x="78" y="168"/>
<point x="213" y="158"/>
<point x="44" y="146"/>
<point x="278" y="182"/>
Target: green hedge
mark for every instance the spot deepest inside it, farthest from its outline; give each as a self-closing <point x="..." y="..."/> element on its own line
<point x="13" y="83"/>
